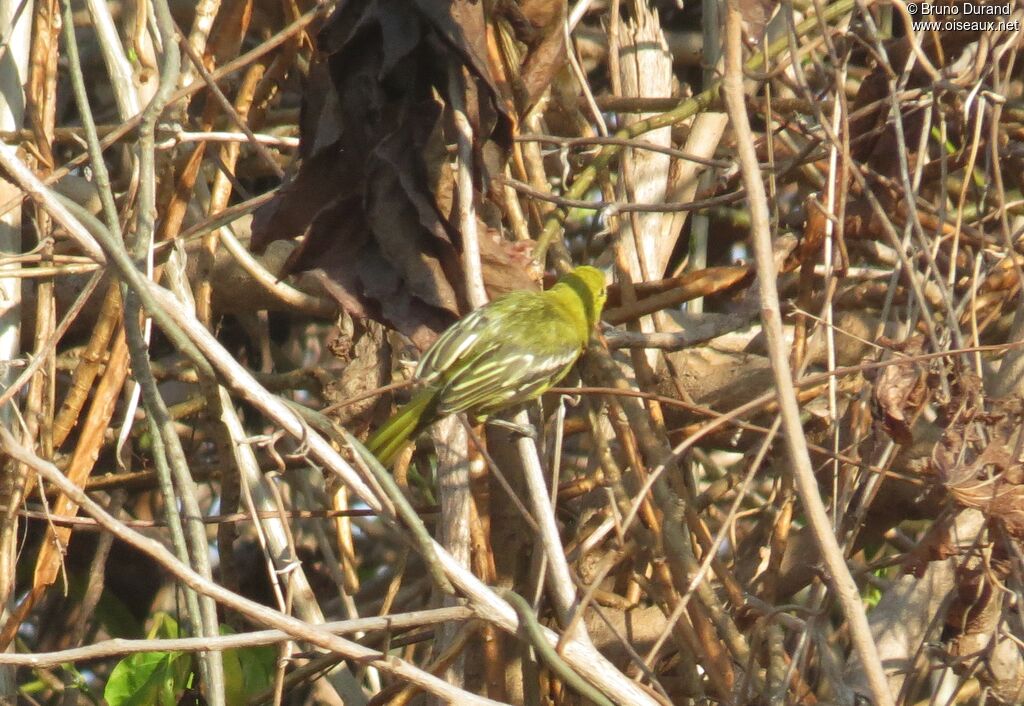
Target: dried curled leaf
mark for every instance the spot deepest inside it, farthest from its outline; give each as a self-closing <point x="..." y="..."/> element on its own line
<point x="977" y="458"/>
<point x="374" y="195"/>
<point x="900" y="391"/>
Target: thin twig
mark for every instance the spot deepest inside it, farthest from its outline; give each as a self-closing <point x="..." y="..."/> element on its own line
<point x="806" y="484"/>
<point x="293" y="627"/>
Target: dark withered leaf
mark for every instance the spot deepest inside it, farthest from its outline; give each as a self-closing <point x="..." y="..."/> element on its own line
<point x="367" y="362"/>
<point x="756" y="14"/>
<point x="899" y="392"/>
<point x="462" y="24"/>
<point x="546" y="55"/>
<point x="873" y="136"/>
<point x="374" y="194"/>
<point x="977" y="458"/>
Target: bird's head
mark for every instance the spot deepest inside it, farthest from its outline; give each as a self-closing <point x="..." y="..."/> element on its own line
<point x="588" y="284"/>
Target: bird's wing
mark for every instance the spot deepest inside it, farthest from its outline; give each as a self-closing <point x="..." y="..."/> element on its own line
<point x="499" y="355"/>
<point x="455" y="343"/>
<point x="503" y="375"/>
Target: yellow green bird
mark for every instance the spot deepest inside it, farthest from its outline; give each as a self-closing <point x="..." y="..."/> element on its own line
<point x="507" y="352"/>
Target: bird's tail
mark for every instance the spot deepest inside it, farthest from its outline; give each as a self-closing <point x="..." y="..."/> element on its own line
<point x="404" y="425"/>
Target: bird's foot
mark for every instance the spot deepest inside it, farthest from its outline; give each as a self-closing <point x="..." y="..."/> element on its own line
<point x="527" y="430"/>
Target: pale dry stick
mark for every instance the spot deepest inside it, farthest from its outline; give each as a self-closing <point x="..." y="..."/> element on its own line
<point x="295" y="628"/>
<point x="198" y="36"/>
<point x="694" y="176"/>
<point x="229" y="68"/>
<point x="965" y="187"/>
<point x="179" y="136"/>
<point x="912" y="40"/>
<point x="559" y="576"/>
<point x="453" y="462"/>
<point x="581" y="80"/>
<point x="231" y="111"/>
<point x="118" y="66"/>
<point x="475" y="292"/>
<point x="807" y="487"/>
<point x="453" y="531"/>
<point x="51" y="341"/>
<point x="832" y="204"/>
<point x="15" y="59"/>
<point x="712" y="551"/>
<point x="700" y="224"/>
<point x="636" y="144"/>
<point x="34" y="257"/>
<point x="45" y="271"/>
<point x="189" y="335"/>
<point x="170" y="459"/>
<point x="583" y="658"/>
<point x="577" y="12"/>
<point x="31" y="185"/>
<point x="913" y="218"/>
<point x="295" y="299"/>
<point x="269" y="530"/>
<point x="674" y="341"/>
<point x="556" y="461"/>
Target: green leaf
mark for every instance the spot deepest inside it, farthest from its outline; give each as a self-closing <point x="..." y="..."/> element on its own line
<point x="247" y="671"/>
<point x="164" y="627"/>
<point x="150" y="678"/>
<point x="114" y="615"/>
<point x="147" y="678"/>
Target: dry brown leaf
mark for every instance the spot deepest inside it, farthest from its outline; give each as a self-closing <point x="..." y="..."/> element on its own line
<point x="374" y="194"/>
<point x="899" y="391"/>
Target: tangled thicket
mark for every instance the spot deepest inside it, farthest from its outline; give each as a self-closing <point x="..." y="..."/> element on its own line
<point x="302" y="197"/>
